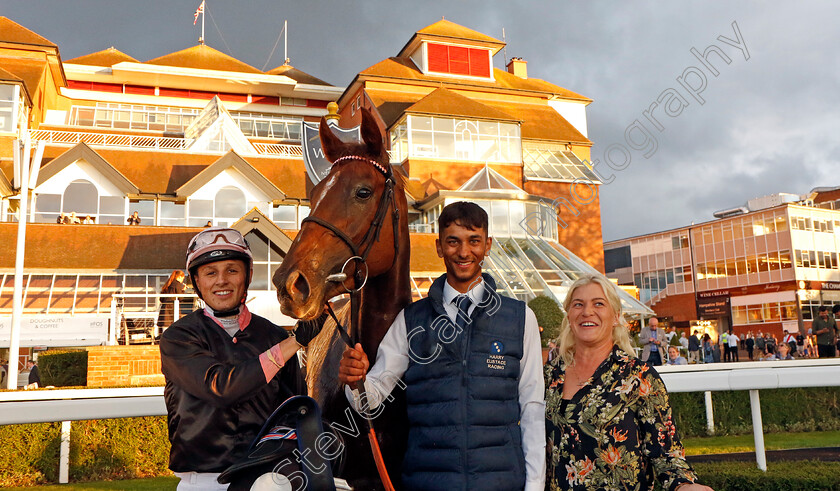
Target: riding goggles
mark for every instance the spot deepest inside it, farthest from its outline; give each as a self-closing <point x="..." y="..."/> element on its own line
<point x="216" y="239"/>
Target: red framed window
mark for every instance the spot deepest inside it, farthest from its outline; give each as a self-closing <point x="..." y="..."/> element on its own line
<point x="139" y="89"/>
<point x="458" y="60"/>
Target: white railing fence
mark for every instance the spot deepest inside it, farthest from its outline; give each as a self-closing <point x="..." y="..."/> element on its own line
<point x="143" y="309"/>
<point x="42" y="406"/>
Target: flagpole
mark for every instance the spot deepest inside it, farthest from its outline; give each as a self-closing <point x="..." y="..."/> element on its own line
<point x="203" y="14"/>
<point x="23" y="148"/>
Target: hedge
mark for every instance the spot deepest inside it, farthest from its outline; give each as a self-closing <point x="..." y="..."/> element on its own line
<point x="806" y="409"/>
<point x="105" y="449"/>
<point x="780" y="476"/>
<point x="63" y="368"/>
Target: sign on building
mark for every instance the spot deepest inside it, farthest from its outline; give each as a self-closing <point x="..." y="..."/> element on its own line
<point x="316" y="163"/>
<point x="57" y="331"/>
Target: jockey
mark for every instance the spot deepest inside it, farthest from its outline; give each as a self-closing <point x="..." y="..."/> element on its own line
<point x="226" y="369"/>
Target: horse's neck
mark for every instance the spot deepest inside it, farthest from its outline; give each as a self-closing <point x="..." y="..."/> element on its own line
<point x="382" y="299"/>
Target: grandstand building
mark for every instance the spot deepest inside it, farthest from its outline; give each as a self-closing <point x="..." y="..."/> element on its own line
<point x="196" y="137"/>
<point x="765" y="266"/>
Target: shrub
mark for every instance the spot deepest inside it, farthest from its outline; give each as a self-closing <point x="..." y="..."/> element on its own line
<point x="549" y="317"/>
<point x="732" y="411"/>
<point x="780" y="476"/>
<point x="63" y="368"/>
<point x="99" y="450"/>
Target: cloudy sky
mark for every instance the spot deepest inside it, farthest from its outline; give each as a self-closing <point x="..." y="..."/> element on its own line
<point x="767" y="124"/>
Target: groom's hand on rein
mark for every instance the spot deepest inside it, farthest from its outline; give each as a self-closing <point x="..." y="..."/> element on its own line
<point x="354" y="365"/>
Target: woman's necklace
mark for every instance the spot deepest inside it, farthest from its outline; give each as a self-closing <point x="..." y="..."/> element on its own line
<point x="580" y="381"/>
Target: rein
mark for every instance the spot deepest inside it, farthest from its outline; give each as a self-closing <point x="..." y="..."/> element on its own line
<point x="360" y="278"/>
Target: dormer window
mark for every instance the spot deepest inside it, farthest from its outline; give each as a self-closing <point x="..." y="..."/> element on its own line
<point x="458" y="60"/>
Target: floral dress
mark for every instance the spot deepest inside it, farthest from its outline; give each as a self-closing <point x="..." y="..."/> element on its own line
<point x="616" y="433"/>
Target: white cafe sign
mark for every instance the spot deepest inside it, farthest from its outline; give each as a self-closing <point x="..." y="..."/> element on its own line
<point x="56" y="331"/>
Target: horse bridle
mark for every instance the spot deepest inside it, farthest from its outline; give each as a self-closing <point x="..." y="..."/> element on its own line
<point x="360" y="276"/>
<point x="372" y="234"/>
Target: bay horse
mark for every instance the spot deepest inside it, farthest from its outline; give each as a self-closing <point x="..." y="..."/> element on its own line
<point x="346" y="206"/>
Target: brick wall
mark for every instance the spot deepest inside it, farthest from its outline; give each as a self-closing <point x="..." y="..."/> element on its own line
<point x="110" y="366"/>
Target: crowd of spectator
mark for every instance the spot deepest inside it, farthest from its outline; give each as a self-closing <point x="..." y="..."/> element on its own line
<point x="821" y="340"/>
<point x="72" y="219"/>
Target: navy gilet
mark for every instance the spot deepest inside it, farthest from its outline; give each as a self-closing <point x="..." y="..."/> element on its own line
<point x="463" y="395"/>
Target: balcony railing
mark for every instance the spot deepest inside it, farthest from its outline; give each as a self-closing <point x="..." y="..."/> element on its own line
<point x="70" y="138"/>
<point x="110" y="140"/>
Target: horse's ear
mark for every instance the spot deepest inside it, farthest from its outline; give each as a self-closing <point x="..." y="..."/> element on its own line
<point x="371" y="134"/>
<point x="331" y="144"/>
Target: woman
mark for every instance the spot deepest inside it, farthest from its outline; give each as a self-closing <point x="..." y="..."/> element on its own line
<point x="708" y="349"/>
<point x="783" y="352"/>
<point x="173" y="286"/>
<point x="608" y="421"/>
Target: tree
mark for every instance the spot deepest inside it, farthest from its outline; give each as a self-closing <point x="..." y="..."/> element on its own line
<point x="549" y="317"/>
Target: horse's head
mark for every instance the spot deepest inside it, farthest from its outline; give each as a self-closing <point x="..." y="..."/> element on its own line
<point x="359" y="191"/>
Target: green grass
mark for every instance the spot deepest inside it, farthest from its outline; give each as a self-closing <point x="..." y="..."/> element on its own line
<point x="772" y="441"/>
<point x="153" y="484"/>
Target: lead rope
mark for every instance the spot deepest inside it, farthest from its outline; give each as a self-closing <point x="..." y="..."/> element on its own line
<point x="360" y="386"/>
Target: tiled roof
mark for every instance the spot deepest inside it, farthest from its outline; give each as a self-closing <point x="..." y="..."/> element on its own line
<point x="12" y="32"/>
<point x="122" y="247"/>
<point x="431" y="186"/>
<point x="106" y="57"/>
<point x="165" y="172"/>
<point x="203" y="57"/>
<point x="449" y="103"/>
<point x="446" y="31"/>
<point x="390" y="104"/>
<point x="445" y="28"/>
<point x="297" y="75"/>
<point x="82" y="151"/>
<point x="542" y="123"/>
<point x="228" y="161"/>
<point x="30" y="71"/>
<point x="424" y="256"/>
<point x="404" y="68"/>
<point x="108" y="247"/>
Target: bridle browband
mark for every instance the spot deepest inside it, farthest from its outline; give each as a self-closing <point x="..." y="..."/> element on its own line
<point x="372" y="233"/>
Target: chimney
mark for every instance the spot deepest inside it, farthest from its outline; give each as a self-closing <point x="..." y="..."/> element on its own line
<point x="518" y="67"/>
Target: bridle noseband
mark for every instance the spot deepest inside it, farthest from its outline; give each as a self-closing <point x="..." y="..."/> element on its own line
<point x="372" y="234"/>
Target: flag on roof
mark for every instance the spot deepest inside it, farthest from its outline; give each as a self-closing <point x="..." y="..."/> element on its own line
<point x="199" y="10"/>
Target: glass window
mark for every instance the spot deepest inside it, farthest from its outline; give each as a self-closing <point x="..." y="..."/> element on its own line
<point x="82" y="197"/>
<point x="763" y="263"/>
<point x="229" y="205"/>
<point x="459" y="139"/>
<point x="145" y="208"/>
<point x="737" y="230"/>
<point x="8" y="103"/>
<point x="47" y="208"/>
<point x="285" y="216"/>
<point x="784" y="259"/>
<point x="740" y="266"/>
<point x="727" y="230"/>
<point x="111" y="210"/>
<point x="201" y="211"/>
<point x="739" y="314"/>
<point x="173" y="214"/>
<point x="499" y="216"/>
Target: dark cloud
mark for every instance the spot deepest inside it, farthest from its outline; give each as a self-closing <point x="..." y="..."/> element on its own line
<point x="768" y="124"/>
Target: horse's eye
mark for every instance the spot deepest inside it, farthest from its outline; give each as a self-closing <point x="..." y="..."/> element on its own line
<point x="364" y="193"/>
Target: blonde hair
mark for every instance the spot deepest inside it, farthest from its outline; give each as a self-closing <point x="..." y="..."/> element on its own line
<point x="620" y="332"/>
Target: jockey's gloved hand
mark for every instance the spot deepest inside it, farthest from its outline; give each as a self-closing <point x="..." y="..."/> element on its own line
<point x="305" y="331"/>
